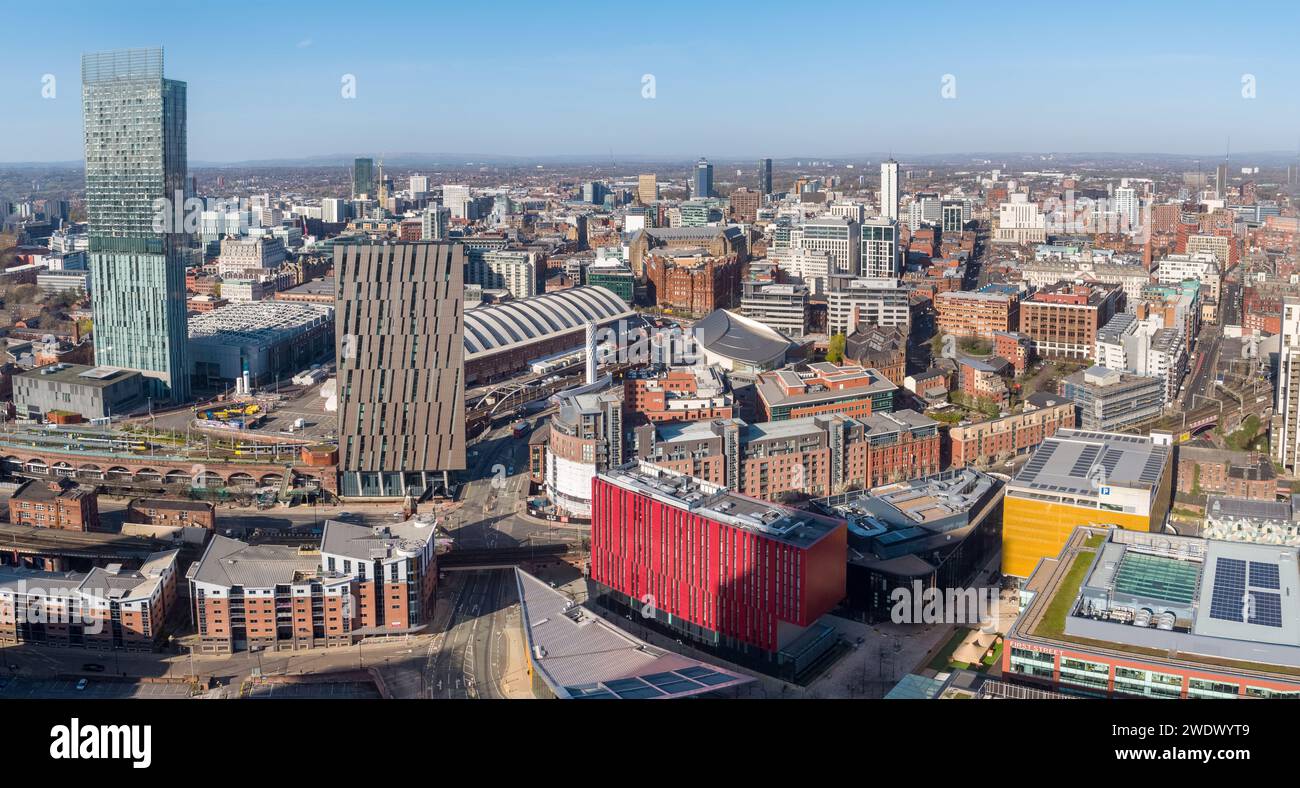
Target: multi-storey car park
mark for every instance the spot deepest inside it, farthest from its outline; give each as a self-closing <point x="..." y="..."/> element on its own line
<point x="1080" y="477"/>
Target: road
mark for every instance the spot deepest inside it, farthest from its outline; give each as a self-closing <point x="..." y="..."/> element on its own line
<point x="1200" y="386"/>
<point x="495" y="490"/>
<point x="469" y="657"/>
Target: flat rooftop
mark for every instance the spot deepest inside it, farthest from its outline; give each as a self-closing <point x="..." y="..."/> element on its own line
<point x="316" y="287"/>
<point x="80" y="374"/>
<point x="821" y="382"/>
<point x="924" y="501"/>
<point x="1072" y="460"/>
<point x="1233" y="605"/>
<point x="780" y="523"/>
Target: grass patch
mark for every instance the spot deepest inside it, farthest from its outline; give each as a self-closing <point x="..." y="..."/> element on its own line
<point x="943" y="660"/>
<point x="1094" y="541"/>
<point x="975" y="346"/>
<point x="1052" y="624"/>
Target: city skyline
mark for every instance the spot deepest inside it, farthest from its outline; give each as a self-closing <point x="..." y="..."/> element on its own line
<point x="278" y="92"/>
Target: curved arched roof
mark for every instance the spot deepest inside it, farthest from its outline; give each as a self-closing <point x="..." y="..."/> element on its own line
<point x="510" y="323"/>
<point x="739" y="338"/>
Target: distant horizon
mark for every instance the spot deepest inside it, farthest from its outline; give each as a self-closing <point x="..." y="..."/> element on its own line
<point x="454" y="159"/>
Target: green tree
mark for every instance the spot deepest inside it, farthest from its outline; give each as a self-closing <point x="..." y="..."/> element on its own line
<point x="835" y="349"/>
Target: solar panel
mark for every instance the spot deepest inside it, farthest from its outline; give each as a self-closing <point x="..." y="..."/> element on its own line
<point x="1083" y="464"/>
<point x="644" y="691"/>
<point x="589" y="691"/>
<point x="1151" y="471"/>
<point x="1229" y="593"/>
<point x="660" y="679"/>
<point x="1110" y="460"/>
<point x="1040" y="458"/>
<point x="1265" y="609"/>
<point x="1264" y="575"/>
<point x="716" y="678"/>
<point x="694" y="672"/>
<point x="680" y="686"/>
<point x="621" y="685"/>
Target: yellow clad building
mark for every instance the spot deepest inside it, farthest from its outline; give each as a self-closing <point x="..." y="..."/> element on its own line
<point x="1079" y="477"/>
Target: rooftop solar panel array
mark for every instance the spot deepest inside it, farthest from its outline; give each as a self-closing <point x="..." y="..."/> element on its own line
<point x="1232" y="602"/>
<point x="1265" y="608"/>
<point x="654" y="685"/>
<point x="1083" y="464"/>
<point x="1229" y="594"/>
<point x="1109" y="460"/>
<point x="1039" y="460"/>
<point x="1155" y="463"/>
<point x="1264" y="575"/>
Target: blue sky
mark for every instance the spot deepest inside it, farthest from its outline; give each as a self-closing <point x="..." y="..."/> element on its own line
<point x="731" y="79"/>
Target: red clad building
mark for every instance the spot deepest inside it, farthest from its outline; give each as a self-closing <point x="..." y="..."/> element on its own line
<point x="724" y="569"/>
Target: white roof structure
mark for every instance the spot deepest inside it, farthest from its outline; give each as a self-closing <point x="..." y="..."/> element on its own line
<point x="513" y="324"/>
<point x="580" y="655"/>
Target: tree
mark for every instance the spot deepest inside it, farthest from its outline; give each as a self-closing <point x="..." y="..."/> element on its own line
<point x="835" y="348"/>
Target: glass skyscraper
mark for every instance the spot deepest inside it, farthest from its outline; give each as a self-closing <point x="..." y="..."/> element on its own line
<point x="363" y="178"/>
<point x="136" y="158"/>
<point x="703" y="179"/>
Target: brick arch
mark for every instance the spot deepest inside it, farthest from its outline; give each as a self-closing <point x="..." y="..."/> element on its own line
<point x="241" y="479"/>
<point x="176" y="476"/>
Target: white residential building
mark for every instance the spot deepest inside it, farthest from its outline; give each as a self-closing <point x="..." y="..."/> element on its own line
<point x="889" y="189"/>
<point x="456" y="197"/>
<point x="881" y="302"/>
<point x="1203" y="266"/>
<point x="837" y="236"/>
<point x="502" y="270"/>
<point x="880" y="253"/>
<point x="1143" y="347"/>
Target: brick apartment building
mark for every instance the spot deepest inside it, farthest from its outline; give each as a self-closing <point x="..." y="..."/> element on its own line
<point x="824" y="388"/>
<point x="678" y="395"/>
<point x="744" y="204"/>
<point x="106" y="608"/>
<point x="1015" y="348"/>
<point x="1235" y="474"/>
<point x="1062" y="321"/>
<point x="1261" y="311"/>
<point x="813" y="456"/>
<point x="172" y="513"/>
<point x="360" y="582"/>
<point x="974" y="314"/>
<point x="983" y="380"/>
<point x="985" y="443"/>
<point x="56" y="504"/>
